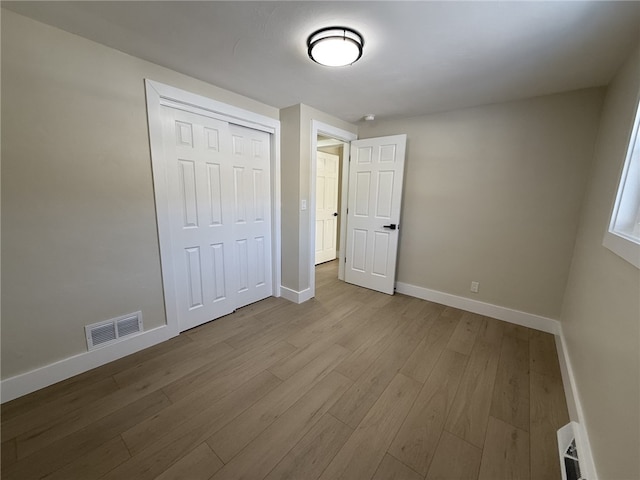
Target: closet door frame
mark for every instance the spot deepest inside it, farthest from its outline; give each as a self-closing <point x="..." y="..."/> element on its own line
<point x="159" y="95"/>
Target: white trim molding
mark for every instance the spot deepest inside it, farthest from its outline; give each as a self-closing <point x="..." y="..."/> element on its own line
<point x="623" y="235"/>
<point x="623" y="246"/>
<point x="345" y="138"/>
<point x="574" y="407"/>
<point x="536" y="322"/>
<point x="42" y="377"/>
<point x="510" y="315"/>
<point x="295" y="296"/>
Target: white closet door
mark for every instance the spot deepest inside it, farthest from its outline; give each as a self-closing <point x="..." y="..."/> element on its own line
<point x="210" y="188"/>
<point x="250" y="158"/>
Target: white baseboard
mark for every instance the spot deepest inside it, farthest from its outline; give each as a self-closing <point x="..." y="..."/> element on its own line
<point x="575" y="409"/>
<point x="530" y="320"/>
<point x="295" y="296"/>
<point x="510" y="315"/>
<point x="28" y="382"/>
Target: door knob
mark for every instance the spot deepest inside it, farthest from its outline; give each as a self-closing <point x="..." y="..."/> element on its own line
<point x="335" y="214"/>
<point x="393" y="226"/>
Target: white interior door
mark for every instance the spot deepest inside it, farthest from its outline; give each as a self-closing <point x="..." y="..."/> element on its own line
<point x="251" y="214"/>
<point x="376" y="173"/>
<point x="219" y="215"/>
<point x="326" y="206"/>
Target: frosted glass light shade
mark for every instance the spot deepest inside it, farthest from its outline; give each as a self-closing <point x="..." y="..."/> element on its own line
<point x="335" y="46"/>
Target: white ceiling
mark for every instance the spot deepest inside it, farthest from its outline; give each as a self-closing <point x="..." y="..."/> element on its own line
<point x="419" y="57"/>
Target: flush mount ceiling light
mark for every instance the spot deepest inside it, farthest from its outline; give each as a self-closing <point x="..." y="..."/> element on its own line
<point x="335" y="46"/>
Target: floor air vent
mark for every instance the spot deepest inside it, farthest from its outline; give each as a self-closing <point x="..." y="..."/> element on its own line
<point x="568" y="449"/>
<point x="111" y="331"/>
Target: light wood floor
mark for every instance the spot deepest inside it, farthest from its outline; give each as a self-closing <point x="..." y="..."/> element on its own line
<point x="352" y="384"/>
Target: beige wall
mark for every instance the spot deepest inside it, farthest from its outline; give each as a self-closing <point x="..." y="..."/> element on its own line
<point x="290" y="188"/>
<point x="296" y="167"/>
<point x="78" y="218"/>
<point x="493" y="194"/>
<point x="601" y="313"/>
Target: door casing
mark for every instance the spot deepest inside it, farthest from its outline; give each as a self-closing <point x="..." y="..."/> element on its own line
<point x="159" y="95"/>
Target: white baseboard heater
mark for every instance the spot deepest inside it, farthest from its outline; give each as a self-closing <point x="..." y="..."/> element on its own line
<point x="572" y="456"/>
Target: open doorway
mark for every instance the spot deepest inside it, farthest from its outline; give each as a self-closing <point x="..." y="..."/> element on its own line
<point x="371" y="182"/>
<point x="329" y="140"/>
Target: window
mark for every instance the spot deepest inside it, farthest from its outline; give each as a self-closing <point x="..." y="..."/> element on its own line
<point x="623" y="235"/>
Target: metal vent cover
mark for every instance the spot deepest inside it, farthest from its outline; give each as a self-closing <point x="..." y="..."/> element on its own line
<point x="112" y="331"/>
<point x="128" y="326"/>
<point x="103" y="334"/>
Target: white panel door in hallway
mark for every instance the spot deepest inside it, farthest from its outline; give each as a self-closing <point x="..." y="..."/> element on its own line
<point x="376" y="173"/>
<point x="219" y="208"/>
<point x="326" y="206"/>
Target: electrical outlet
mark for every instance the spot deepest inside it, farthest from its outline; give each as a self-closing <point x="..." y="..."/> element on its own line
<point x="475" y="286"/>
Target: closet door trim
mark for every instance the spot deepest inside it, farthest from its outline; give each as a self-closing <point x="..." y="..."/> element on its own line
<point x="159" y="95"/>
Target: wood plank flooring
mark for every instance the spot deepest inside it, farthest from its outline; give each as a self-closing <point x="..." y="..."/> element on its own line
<point x="353" y="384"/>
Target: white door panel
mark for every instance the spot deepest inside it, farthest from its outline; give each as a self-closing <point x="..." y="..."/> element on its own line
<point x="376" y="173"/>
<point x="326" y="206"/>
<point x="217" y="190"/>
<point x="252" y="222"/>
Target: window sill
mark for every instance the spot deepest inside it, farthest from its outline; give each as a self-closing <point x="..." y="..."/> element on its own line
<point x="623" y="247"/>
